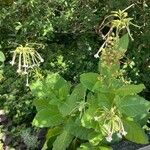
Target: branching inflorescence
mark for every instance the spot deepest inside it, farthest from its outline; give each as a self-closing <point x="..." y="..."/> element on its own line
<point x="26" y="58"/>
<point x="118" y="20"/>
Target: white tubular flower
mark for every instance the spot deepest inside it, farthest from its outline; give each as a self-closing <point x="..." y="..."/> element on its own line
<point x="96" y="118"/>
<point x="119" y="135"/>
<point x="124" y="133"/>
<point x="13" y="59"/>
<point x="27" y="58"/>
<point x="96" y="55"/>
<point x="19" y="64"/>
<point x="109" y="138"/>
<point x="112" y="123"/>
<point x="38" y="56"/>
<point x="27" y="81"/>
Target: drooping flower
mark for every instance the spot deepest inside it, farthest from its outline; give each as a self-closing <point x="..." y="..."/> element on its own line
<point x="124" y="133"/>
<point x="109" y="138"/>
<point x="119" y="135"/>
<point x="96" y="55"/>
<point x="26" y="58"/>
<point x="111" y="123"/>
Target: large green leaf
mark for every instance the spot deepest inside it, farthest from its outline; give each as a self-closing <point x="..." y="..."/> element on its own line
<point x="2" y="57"/>
<point x="88" y="117"/>
<point x="62" y="141"/>
<point x="71" y="104"/>
<point x="48" y="117"/>
<point x="103" y="101"/>
<point x="89" y="79"/>
<point x="53" y="89"/>
<point x="75" y="128"/>
<point x="123" y="42"/>
<point x="135" y="133"/>
<point x="52" y="132"/>
<point x="87" y="146"/>
<point x="133" y="106"/>
<point x="41" y="103"/>
<point x="100" y="87"/>
<point x="95" y="138"/>
<point x="130" y="89"/>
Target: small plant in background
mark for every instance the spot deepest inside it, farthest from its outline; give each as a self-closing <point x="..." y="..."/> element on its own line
<point x="30" y="140"/>
<point x="101" y="109"/>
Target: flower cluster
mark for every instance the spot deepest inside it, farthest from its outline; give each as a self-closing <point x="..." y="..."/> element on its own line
<point x="118" y="20"/>
<point x="111" y="123"/>
<point x="26" y="58"/>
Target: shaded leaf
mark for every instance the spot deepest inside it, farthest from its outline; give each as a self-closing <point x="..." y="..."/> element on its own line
<point x="95" y="138"/>
<point x="133" y="106"/>
<point x="75" y="128"/>
<point x="71" y="103"/>
<point x="89" y="80"/>
<point x="53" y="89"/>
<point x="135" y="133"/>
<point x="62" y="141"/>
<point x="87" y="146"/>
<point x="123" y="42"/>
<point x="51" y="133"/>
<point x="48" y="117"/>
<point x="130" y="89"/>
<point x="103" y="101"/>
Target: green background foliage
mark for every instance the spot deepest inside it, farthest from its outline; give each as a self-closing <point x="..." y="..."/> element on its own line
<point x="69" y="31"/>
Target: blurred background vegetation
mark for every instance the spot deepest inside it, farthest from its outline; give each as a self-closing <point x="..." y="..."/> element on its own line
<point x="69" y="31"/>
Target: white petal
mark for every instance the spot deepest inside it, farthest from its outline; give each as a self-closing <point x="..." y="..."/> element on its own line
<point x="27" y="85"/>
<point x="96" y="55"/>
<point x="124" y="133"/>
<point x="42" y="60"/>
<point x="109" y="138"/>
<point x="119" y="135"/>
<point x="18" y="70"/>
<point x="96" y="118"/>
<point x="12" y="63"/>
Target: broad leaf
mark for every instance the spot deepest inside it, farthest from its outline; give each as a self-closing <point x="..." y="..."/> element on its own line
<point x="75" y="128"/>
<point x="100" y="87"/>
<point x="41" y="103"/>
<point x="133" y="106"/>
<point x="103" y="101"/>
<point x="88" y="117"/>
<point x="51" y="133"/>
<point x="2" y="57"/>
<point x="53" y="89"/>
<point x="62" y="141"/>
<point x="123" y="42"/>
<point x="95" y="138"/>
<point x="130" y="89"/>
<point x="135" y="133"/>
<point x="48" y="117"/>
<point x="72" y="103"/>
<point x="87" y="146"/>
<point x="89" y="80"/>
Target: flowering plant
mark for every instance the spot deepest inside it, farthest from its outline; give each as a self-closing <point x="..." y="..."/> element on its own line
<point x="104" y="107"/>
<point x="28" y="58"/>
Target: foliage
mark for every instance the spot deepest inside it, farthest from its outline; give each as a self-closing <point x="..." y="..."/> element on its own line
<point x="69" y="32"/>
<point x="103" y="105"/>
<point x="30" y="140"/>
